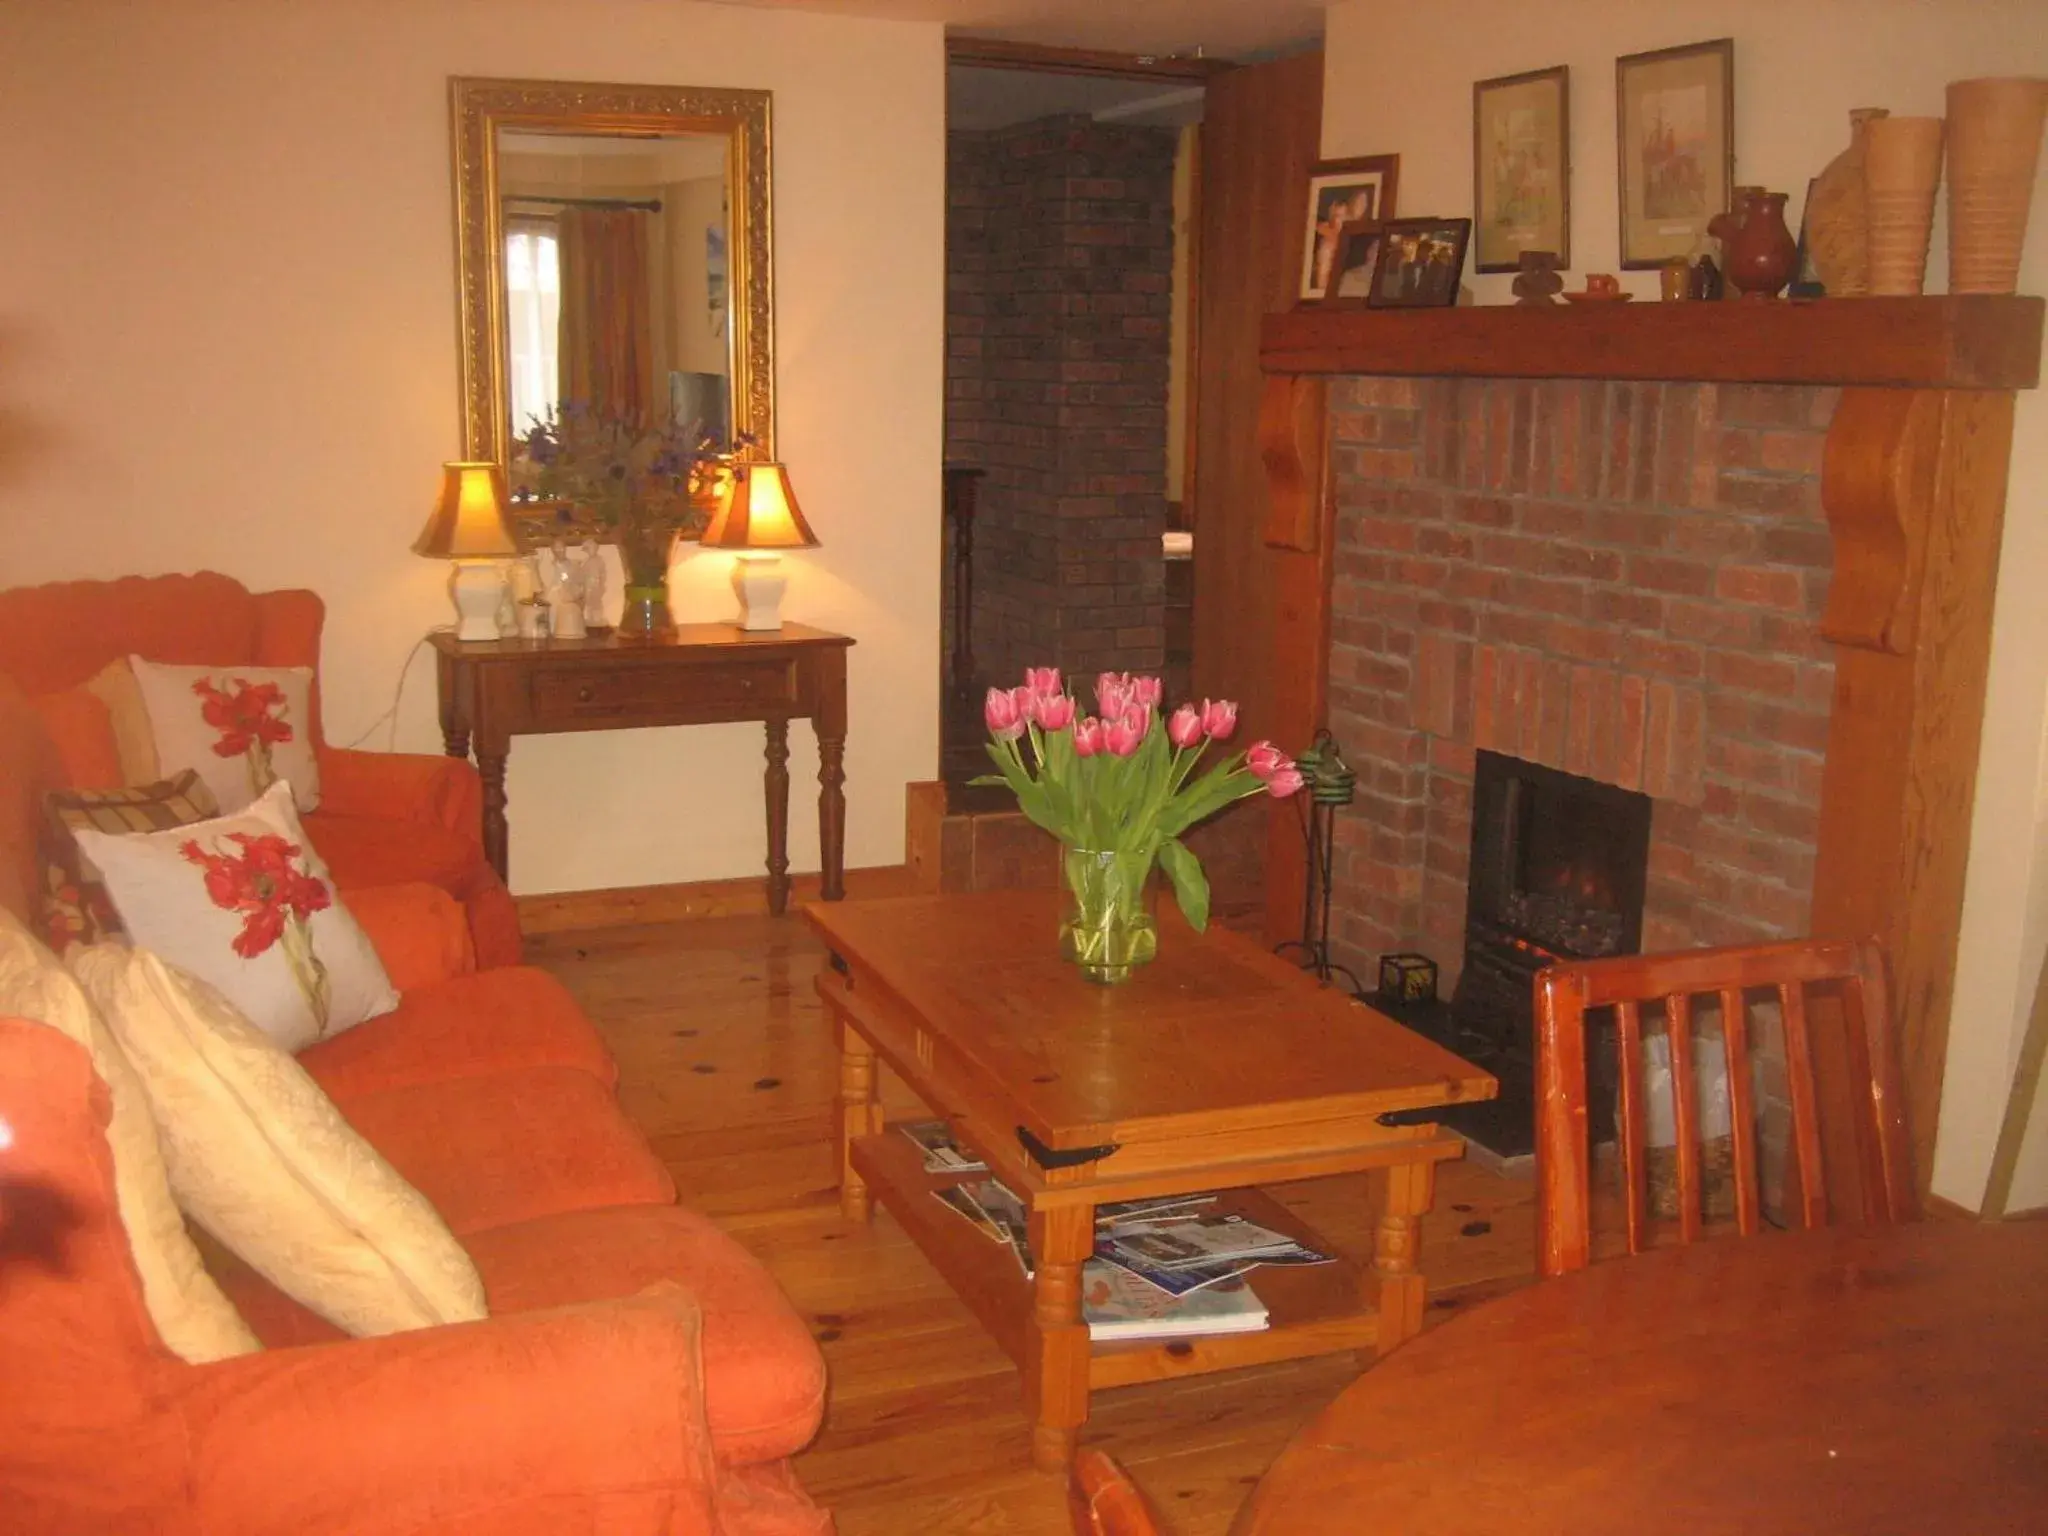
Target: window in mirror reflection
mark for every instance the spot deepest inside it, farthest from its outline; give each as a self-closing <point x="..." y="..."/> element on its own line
<point x="616" y="280"/>
<point x="533" y="312"/>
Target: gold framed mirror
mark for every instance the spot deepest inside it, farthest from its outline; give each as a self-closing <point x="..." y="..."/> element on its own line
<point x="613" y="249"/>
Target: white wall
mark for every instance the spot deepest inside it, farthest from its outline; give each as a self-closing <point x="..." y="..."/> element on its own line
<point x="227" y="340"/>
<point x="1399" y="79"/>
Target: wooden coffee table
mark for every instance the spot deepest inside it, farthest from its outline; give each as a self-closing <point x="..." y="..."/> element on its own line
<point x="1217" y="1066"/>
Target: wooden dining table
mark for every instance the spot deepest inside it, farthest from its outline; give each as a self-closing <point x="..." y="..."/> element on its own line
<point x="1889" y="1379"/>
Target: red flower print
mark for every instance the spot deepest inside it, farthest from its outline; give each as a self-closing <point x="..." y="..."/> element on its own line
<point x="275" y="896"/>
<point x="246" y="723"/>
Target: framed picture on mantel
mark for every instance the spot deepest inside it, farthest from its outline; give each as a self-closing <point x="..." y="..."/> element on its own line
<point x="1342" y="192"/>
<point x="1521" y="169"/>
<point x="1675" y="122"/>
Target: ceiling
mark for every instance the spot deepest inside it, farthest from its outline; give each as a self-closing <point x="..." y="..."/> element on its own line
<point x="1228" y="29"/>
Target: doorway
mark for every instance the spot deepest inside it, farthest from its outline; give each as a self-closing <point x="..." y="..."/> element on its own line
<point x="1071" y="187"/>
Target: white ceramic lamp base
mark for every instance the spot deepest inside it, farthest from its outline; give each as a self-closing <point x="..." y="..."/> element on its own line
<point x="759" y="580"/>
<point x="476" y="585"/>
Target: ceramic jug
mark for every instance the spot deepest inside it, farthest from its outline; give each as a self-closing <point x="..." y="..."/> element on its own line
<point x="1758" y="252"/>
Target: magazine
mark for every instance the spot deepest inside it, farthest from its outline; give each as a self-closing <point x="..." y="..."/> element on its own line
<point x="942" y="1154"/>
<point x="1118" y="1305"/>
<point x="961" y="1203"/>
<point x="1151" y="1208"/>
<point x="1006" y="1212"/>
<point x="1179" y="1282"/>
<point x="1199" y="1240"/>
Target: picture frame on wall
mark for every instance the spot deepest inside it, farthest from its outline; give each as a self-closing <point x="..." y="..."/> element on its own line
<point x="1342" y="192"/>
<point x="1358" y="253"/>
<point x="1675" y="132"/>
<point x="1521" y="168"/>
<point x="1420" y="262"/>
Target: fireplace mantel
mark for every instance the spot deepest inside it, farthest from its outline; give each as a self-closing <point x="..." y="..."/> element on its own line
<point x="1956" y="342"/>
<point x="1913" y="485"/>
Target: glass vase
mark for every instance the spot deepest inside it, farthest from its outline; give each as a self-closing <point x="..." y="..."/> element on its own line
<point x="644" y="553"/>
<point x="1108" y="927"/>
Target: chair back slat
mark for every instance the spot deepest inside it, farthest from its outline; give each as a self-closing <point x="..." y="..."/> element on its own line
<point x="1563" y="1177"/>
<point x="1855" y="1006"/>
<point x="1813" y="1192"/>
<point x="1629" y="1033"/>
<point x="1741" y="1111"/>
<point x="1684" y="1112"/>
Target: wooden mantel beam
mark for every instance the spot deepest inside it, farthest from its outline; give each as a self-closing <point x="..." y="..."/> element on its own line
<point x="1975" y="341"/>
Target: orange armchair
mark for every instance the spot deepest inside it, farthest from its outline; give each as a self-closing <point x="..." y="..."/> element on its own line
<point x="581" y="1418"/>
<point x="384" y="818"/>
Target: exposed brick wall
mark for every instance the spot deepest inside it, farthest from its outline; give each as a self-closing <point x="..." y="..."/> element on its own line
<point x="1620" y="580"/>
<point x="1059" y="286"/>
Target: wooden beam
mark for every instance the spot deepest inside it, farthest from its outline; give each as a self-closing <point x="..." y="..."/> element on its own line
<point x="1914" y="487"/>
<point x="1977" y="341"/>
<point x="994" y="53"/>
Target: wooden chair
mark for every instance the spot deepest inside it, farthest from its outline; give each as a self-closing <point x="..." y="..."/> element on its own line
<point x="1855" y="1031"/>
<point x="1104" y="1500"/>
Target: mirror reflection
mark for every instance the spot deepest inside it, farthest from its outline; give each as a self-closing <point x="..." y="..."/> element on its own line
<point x="617" y="280"/>
<point x="616" y="302"/>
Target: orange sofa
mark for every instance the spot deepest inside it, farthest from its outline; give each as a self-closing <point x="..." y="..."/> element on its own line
<point x="384" y="818"/>
<point x="640" y="1371"/>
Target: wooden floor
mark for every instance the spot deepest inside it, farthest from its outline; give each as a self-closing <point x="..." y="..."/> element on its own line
<point x="727" y="1065"/>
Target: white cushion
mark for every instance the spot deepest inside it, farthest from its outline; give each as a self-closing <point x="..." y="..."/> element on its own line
<point x="262" y="1159"/>
<point x="245" y="904"/>
<point x="195" y="1321"/>
<point x="240" y="728"/>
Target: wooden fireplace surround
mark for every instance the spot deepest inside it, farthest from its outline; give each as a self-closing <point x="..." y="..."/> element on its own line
<point x="1913" y="484"/>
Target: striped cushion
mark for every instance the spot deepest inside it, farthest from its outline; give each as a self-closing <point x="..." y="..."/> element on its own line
<point x="75" y="904"/>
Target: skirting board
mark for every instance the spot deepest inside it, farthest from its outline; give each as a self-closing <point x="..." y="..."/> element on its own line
<point x="624" y="906"/>
<point x="1941" y="1209"/>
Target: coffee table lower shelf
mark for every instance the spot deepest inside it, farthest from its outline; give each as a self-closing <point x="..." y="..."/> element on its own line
<point x="1315" y="1310"/>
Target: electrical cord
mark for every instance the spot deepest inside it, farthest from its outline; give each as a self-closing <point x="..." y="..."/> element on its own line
<point x="398" y="695"/>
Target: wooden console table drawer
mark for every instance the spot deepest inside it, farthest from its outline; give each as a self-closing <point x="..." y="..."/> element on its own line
<point x="493" y="690"/>
<point x="582" y="693"/>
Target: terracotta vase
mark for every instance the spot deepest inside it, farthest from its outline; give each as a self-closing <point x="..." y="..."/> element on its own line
<point x="1838" y="217"/>
<point x="1994" y="140"/>
<point x="1758" y="253"/>
<point x="1901" y="169"/>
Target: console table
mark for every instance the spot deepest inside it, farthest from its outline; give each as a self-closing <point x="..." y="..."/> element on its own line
<point x="702" y="674"/>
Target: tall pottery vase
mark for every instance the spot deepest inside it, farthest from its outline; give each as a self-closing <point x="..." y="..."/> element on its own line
<point x="1838" y="217"/>
<point x="1107" y="928"/>
<point x="1901" y="169"/>
<point x="1994" y="141"/>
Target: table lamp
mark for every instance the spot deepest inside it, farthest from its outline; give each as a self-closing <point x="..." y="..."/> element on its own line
<point x="468" y="527"/>
<point x="759" y="518"/>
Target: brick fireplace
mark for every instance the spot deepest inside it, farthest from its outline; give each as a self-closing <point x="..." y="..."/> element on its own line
<point x="1623" y="581"/>
<point x="1594" y="529"/>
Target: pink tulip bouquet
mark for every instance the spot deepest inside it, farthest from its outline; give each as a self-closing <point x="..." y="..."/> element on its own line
<point x="1118" y="788"/>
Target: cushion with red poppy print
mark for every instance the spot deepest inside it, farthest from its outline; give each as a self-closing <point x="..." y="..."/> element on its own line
<point x="245" y="904"/>
<point x="240" y="728"/>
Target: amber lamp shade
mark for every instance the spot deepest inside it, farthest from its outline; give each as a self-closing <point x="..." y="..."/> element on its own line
<point x="759" y="518"/>
<point x="468" y="527"/>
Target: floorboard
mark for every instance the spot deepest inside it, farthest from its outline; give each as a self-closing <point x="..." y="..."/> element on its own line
<point x="728" y="1066"/>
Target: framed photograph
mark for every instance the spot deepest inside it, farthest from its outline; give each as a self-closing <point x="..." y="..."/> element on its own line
<point x="1420" y="263"/>
<point x="1358" y="252"/>
<point x="1521" y="168"/>
<point x="1675" y="121"/>
<point x="1341" y="192"/>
